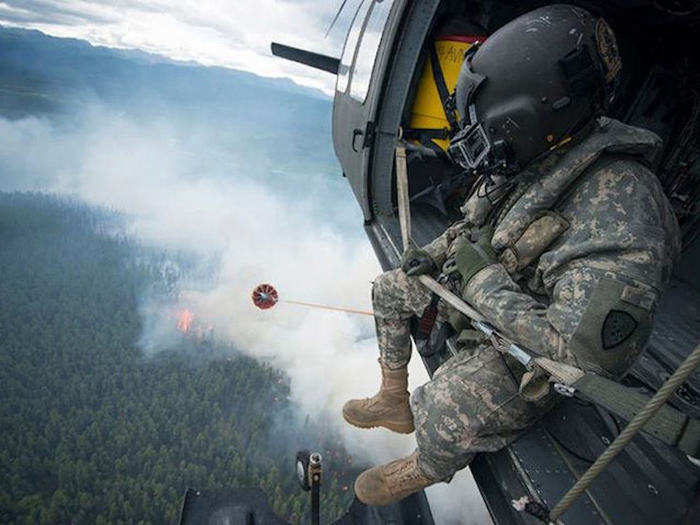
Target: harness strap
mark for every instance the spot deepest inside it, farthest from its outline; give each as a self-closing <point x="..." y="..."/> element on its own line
<point x="426" y="133"/>
<point x="635" y="425"/>
<point x="671" y="426"/>
<point x="447" y="101"/>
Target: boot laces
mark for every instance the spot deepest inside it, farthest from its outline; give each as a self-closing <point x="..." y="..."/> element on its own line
<point x="408" y="473"/>
<point x="384" y="397"/>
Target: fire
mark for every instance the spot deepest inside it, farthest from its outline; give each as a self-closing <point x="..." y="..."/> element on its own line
<point x="184" y="320"/>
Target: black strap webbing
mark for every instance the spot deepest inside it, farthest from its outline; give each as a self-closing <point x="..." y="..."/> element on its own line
<point x="426" y="137"/>
<point x="426" y="133"/>
<point x="445" y="98"/>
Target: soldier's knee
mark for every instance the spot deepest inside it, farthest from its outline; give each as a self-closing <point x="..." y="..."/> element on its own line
<point x="379" y="283"/>
<point x="442" y="431"/>
<point x="386" y="279"/>
<point x="440" y="419"/>
<point x="385" y="287"/>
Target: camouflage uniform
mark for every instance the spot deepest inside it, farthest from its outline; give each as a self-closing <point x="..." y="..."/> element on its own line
<point x="586" y="242"/>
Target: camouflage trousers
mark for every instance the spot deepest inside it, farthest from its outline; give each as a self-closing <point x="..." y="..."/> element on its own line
<point x="471" y="404"/>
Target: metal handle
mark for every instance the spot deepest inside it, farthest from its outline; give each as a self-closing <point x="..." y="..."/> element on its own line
<point x="356" y="133"/>
<point x="315" y="475"/>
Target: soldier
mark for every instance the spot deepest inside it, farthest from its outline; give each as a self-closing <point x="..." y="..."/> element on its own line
<point x="566" y="244"/>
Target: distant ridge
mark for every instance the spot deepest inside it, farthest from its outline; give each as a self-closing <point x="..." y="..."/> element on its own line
<point x="36" y="56"/>
<point x="271" y="120"/>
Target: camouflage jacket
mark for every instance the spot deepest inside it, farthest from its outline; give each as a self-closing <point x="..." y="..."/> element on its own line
<point x="587" y="241"/>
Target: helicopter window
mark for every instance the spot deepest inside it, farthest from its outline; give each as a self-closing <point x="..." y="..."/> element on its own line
<point x="351" y="45"/>
<point x="369" y="46"/>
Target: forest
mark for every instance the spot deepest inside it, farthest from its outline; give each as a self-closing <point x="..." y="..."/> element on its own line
<point x="96" y="431"/>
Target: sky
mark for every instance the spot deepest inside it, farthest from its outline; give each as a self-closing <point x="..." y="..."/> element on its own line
<point x="228" y="33"/>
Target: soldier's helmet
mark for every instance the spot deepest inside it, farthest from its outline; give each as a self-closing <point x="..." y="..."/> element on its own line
<point x="533" y="85"/>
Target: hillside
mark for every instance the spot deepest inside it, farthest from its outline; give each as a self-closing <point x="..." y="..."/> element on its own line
<point x="93" y="431"/>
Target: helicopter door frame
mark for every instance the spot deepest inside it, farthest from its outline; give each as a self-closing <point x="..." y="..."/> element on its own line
<point x="400" y="72"/>
<point x="354" y="105"/>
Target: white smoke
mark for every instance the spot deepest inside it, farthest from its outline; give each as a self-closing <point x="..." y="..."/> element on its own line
<point x="146" y="170"/>
<point x="258" y="236"/>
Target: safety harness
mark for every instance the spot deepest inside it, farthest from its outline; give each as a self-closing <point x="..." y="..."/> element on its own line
<point x="446" y="99"/>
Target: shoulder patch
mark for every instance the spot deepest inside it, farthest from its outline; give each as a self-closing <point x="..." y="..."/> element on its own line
<point x="617" y="328"/>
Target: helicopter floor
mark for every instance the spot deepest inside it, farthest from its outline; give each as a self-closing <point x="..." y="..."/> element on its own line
<point x="412" y="510"/>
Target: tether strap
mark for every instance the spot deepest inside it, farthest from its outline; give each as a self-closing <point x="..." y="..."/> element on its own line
<point x="671" y="426"/>
<point x="646" y="414"/>
<point x="445" y="98"/>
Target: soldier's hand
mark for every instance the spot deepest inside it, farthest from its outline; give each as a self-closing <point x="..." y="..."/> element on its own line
<point x="472" y="257"/>
<point x="415" y="261"/>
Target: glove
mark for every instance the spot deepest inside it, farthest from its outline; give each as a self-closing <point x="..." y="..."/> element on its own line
<point x="472" y="257"/>
<point x="415" y="261"/>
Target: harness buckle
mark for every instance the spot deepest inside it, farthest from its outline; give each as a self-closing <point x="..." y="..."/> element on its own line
<point x="564" y="390"/>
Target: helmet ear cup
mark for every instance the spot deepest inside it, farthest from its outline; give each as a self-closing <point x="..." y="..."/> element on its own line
<point x="580" y="73"/>
<point x="512" y="118"/>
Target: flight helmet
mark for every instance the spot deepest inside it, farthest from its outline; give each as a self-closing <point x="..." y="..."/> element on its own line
<point x="532" y="86"/>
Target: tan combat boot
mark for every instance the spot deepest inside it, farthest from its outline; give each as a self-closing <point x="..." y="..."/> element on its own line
<point x="389" y="408"/>
<point x="391" y="482"/>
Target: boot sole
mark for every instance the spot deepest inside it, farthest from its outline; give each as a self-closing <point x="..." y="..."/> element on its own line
<point x="405" y="428"/>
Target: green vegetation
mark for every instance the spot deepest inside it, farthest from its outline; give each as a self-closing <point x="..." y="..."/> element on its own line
<point x="93" y="431"/>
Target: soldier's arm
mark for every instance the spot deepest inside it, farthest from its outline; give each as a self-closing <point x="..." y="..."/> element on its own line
<point x="439" y="246"/>
<point x="598" y="320"/>
<point x="545" y="330"/>
<point x="603" y="294"/>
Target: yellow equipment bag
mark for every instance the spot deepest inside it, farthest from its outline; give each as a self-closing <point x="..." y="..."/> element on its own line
<point x="428" y="113"/>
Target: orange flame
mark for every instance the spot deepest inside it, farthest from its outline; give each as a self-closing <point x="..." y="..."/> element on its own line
<point x="184" y="320"/>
